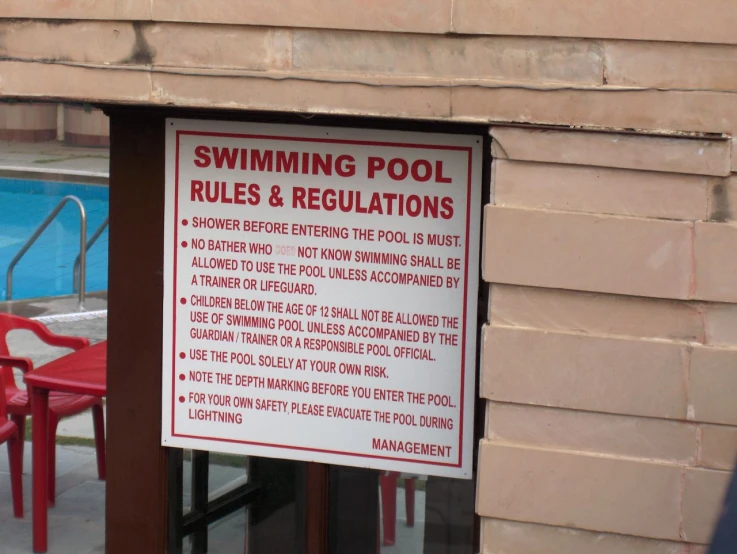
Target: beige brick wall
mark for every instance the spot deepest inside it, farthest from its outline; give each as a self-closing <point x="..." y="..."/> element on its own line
<point x="403" y="59"/>
<point x="84" y="126"/>
<point x="610" y="237"/>
<point x="610" y="358"/>
<point x="27" y="122"/>
<point x="666" y="20"/>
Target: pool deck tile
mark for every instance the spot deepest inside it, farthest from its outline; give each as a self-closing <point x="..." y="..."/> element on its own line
<point x="39" y="307"/>
<point x="54" y="157"/>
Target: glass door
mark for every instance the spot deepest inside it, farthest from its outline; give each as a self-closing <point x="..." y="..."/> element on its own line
<point x="375" y="512"/>
<point x="223" y="503"/>
<point x="228" y="504"/>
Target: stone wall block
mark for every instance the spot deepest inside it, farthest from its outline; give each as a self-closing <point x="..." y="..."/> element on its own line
<point x="601" y="190"/>
<point x="592" y="432"/>
<point x="718" y="447"/>
<point x="83" y="84"/>
<point x="581" y="372"/>
<point x="139" y="10"/>
<point x="659" y="20"/>
<point x="83" y="42"/>
<point x="594" y="493"/>
<point x="716" y="262"/>
<point x="674" y="155"/>
<point x="708" y="112"/>
<point x="723" y="199"/>
<point x="596" y="314"/>
<point x="502" y="58"/>
<point x="713" y="382"/>
<point x="720" y="321"/>
<point x="702" y="502"/>
<point x="414" y="16"/>
<point x="513" y="537"/>
<point x="300" y="96"/>
<point x="671" y="65"/>
<point x="221" y="46"/>
<point x="587" y="252"/>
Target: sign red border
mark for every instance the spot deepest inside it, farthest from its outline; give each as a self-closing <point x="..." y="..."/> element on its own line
<point x="175" y="303"/>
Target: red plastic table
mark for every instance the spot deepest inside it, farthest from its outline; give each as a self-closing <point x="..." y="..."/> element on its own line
<point x="81" y="372"/>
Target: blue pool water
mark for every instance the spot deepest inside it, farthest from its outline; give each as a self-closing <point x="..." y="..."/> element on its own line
<point x="46" y="269"/>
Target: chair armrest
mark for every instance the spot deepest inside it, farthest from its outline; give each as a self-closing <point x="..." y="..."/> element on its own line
<point x="63" y="341"/>
<point x="11" y="322"/>
<point x="24" y="364"/>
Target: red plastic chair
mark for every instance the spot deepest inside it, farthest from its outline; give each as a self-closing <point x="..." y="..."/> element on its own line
<point x="60" y="404"/>
<point x="388" y="483"/>
<point x="9" y="433"/>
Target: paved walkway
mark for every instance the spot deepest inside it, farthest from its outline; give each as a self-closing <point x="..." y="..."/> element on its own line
<point x="76" y="524"/>
<point x="54" y="157"/>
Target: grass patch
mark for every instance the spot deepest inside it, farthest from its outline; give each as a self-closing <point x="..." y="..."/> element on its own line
<point x="64" y="441"/>
<point x="75" y="441"/>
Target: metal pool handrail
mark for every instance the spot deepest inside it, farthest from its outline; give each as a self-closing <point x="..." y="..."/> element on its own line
<point x="37" y="233"/>
<point x="90" y="243"/>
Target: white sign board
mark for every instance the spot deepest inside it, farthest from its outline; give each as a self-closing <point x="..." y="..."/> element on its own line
<point x="321" y="294"/>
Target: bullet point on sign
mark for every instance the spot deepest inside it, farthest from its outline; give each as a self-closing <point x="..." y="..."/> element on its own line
<point x="181" y="355"/>
<point x="182" y="377"/>
<point x="183" y="300"/>
<point x="185" y="222"/>
<point x="184" y="244"/>
<point x="181" y="399"/>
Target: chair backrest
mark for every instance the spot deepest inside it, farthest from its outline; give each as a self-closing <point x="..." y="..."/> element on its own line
<point x="9" y="322"/>
<point x="3" y="404"/>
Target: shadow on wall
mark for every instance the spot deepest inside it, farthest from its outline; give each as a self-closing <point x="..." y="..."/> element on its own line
<point x="725" y="535"/>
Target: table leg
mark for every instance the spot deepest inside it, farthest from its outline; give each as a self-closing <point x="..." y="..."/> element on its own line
<point x="39" y="419"/>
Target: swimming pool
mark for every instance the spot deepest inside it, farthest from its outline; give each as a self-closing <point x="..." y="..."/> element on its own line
<point x="46" y="269"/>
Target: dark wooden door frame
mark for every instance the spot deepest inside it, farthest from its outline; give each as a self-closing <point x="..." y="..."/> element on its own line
<point x="136" y="501"/>
<point x="316" y="512"/>
<point x="136" y="512"/>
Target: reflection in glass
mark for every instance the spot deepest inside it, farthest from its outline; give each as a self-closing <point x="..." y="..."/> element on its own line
<point x="270" y="522"/>
<point x="395" y="513"/>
